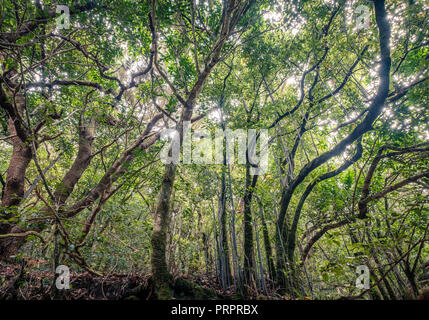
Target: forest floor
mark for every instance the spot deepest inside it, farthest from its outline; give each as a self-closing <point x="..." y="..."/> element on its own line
<point x="18" y="282"/>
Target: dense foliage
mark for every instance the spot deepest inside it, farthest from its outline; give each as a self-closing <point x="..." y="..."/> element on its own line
<point x="83" y="109"/>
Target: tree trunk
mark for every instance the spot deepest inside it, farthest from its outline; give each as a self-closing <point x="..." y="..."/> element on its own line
<point x="13" y="190"/>
<point x="161" y="276"/>
<point x="267" y="243"/>
<point x="10" y="246"/>
<point x="249" y="257"/>
<point x="225" y="265"/>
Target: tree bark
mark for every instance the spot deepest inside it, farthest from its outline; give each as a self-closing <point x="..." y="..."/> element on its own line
<point x="13" y="191"/>
<point x="249" y="256"/>
<point x="225" y="264"/>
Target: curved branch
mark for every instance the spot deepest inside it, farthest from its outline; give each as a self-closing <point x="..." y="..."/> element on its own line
<point x="23" y="235"/>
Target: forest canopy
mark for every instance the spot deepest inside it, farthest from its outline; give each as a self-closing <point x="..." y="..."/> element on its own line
<point x="262" y="149"/>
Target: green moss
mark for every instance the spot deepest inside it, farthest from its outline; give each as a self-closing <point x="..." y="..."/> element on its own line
<point x="186" y="289"/>
<point x="163" y="288"/>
